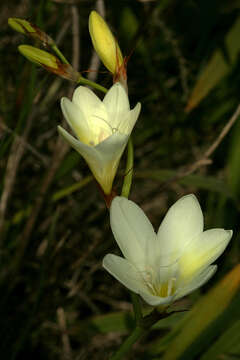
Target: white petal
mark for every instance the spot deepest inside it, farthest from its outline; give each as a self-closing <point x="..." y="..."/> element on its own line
<point x="75" y="118"/>
<point x="95" y="115"/>
<point x="183" y="222"/>
<point x="203" y="251"/>
<point x="102" y="159"/>
<point x="126" y="126"/>
<point x="86" y="100"/>
<point x="155" y="300"/>
<point x="129" y="276"/>
<point x="113" y="147"/>
<point x="124" y="272"/>
<point x="132" y="230"/>
<point x="116" y="100"/>
<point x="196" y="282"/>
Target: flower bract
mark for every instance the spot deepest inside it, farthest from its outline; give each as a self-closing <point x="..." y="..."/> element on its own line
<point x="102" y="129"/>
<point x="164" y="266"/>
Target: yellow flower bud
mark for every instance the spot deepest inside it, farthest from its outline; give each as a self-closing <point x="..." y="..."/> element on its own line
<point x="21" y="25"/>
<point x="29" y="29"/>
<point x="39" y="57"/>
<point x="49" y="62"/>
<point x="105" y="43"/>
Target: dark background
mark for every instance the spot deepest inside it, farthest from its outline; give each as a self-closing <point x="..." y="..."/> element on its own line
<point x="56" y="301"/>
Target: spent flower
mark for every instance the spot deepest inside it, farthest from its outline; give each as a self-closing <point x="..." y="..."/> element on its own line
<point x="102" y="129"/>
<point x="164" y="266"/>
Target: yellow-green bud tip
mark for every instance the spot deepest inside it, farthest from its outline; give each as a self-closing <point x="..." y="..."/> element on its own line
<point x="105" y="43"/>
<point x="21" y="25"/>
<point x="39" y="57"/>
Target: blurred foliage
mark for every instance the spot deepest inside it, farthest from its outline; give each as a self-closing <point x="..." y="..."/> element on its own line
<point x="56" y="301"/>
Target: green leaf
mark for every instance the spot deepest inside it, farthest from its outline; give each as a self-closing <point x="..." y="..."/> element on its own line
<point x="72" y="188"/>
<point x="202" y="182"/>
<point x="227" y="344"/>
<point x="69" y="163"/>
<point x="216" y="68"/>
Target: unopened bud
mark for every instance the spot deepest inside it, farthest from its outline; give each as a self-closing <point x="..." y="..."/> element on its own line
<point x="105" y="43"/>
<point x="39" y="56"/>
<point x="49" y="62"/>
<point x="27" y="28"/>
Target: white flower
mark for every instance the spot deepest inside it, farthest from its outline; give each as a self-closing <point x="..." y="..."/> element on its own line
<point x="102" y="129"/>
<point x="166" y="266"/>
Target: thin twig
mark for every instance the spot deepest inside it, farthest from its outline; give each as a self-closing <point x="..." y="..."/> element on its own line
<point x="60" y="151"/>
<point x="205" y="159"/>
<point x="75" y="37"/>
<point x="177" y="53"/>
<point x="223" y="133"/>
<point x="44" y="159"/>
<point x="16" y="153"/>
<point x="67" y="351"/>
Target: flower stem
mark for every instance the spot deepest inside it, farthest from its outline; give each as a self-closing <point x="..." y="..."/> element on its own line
<point x="129" y="170"/>
<point x="59" y="53"/>
<point x="96" y="86"/>
<point x="127" y="344"/>
<point x="142" y="327"/>
<point x="136" y="308"/>
<point x="81" y="79"/>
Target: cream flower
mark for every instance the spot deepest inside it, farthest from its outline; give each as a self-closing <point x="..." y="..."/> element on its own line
<point x="102" y="129"/>
<point x="166" y="266"/>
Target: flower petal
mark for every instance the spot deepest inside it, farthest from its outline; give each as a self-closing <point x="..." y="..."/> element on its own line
<point x="102" y="159"/>
<point x="86" y="100"/>
<point x="132" y="230"/>
<point x="196" y="282"/>
<point x="95" y="115"/>
<point x="124" y="272"/>
<point x="155" y="300"/>
<point x="116" y="101"/>
<point x="126" y="126"/>
<point x="183" y="222"/>
<point x="203" y="251"/>
<point x="76" y="119"/>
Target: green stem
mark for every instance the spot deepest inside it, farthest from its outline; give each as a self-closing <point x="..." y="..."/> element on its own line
<point x="136" y="308"/>
<point x="81" y="79"/>
<point x="142" y="327"/>
<point x="59" y="53"/>
<point x="127" y="344"/>
<point x="129" y="170"/>
<point x="96" y="86"/>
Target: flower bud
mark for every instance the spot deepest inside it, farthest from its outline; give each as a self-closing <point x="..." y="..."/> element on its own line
<point x="21" y="25"/>
<point x="49" y="62"/>
<point x="39" y="57"/>
<point x="29" y="29"/>
<point x="105" y="43"/>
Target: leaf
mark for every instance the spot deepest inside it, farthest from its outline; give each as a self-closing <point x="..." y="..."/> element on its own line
<point x="216" y="68"/>
<point x="227" y="344"/>
<point x="202" y="182"/>
<point x="72" y="188"/>
<point x="123" y="322"/>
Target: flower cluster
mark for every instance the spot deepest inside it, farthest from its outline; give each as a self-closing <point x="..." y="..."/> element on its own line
<point x="161" y="267"/>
